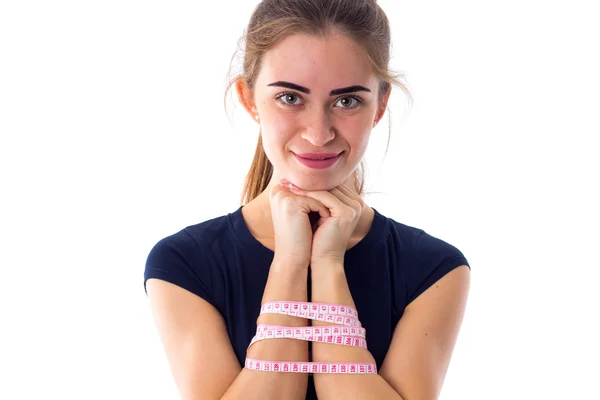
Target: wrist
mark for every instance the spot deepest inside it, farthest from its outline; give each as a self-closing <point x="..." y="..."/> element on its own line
<point x="326" y="264"/>
<point x="283" y="320"/>
<point x="288" y="263"/>
<point x="327" y="276"/>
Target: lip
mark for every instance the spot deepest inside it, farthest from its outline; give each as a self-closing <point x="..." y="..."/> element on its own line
<point x="317" y="156"/>
<point x="318" y="160"/>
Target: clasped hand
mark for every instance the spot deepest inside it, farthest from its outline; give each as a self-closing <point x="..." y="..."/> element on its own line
<point x="339" y="211"/>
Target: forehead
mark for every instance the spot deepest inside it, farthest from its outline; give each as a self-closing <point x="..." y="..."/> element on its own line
<point x="319" y="63"/>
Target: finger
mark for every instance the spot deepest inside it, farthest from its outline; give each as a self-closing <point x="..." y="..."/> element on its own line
<point x="348" y="198"/>
<point x="347" y="191"/>
<point x="343" y="197"/>
<point x="335" y="205"/>
<point x="307" y="203"/>
<point x="277" y="190"/>
<point x="313" y="205"/>
<point x="351" y="193"/>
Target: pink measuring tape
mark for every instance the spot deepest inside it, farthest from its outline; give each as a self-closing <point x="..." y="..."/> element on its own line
<point x="348" y="332"/>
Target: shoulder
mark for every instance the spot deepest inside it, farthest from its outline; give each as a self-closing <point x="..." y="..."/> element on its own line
<point x="425" y="258"/>
<point x="419" y="243"/>
<point x="186" y="257"/>
<point x="207" y="232"/>
<point x="402" y="237"/>
<point x="407" y="234"/>
<point x="191" y="239"/>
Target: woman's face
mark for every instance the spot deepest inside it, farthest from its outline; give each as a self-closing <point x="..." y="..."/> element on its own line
<point x="316" y="95"/>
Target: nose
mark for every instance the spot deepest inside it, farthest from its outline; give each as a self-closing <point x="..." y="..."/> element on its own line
<point x="318" y="130"/>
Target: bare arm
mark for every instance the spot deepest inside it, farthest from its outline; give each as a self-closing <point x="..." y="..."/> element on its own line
<point x="329" y="285"/>
<point x="421" y="348"/>
<point x="285" y="282"/>
<point x="199" y="352"/>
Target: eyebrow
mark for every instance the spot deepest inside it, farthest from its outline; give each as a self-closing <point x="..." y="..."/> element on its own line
<point x="349" y="89"/>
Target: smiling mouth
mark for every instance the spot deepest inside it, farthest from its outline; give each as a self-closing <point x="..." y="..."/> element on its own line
<point x="316" y="161"/>
<point x="318" y="158"/>
<point x="309" y="156"/>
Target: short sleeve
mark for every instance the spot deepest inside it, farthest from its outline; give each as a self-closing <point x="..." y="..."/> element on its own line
<point x="177" y="259"/>
<point x="432" y="258"/>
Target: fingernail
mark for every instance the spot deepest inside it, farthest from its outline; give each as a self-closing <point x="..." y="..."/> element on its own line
<point x="287" y="184"/>
<point x="284" y="183"/>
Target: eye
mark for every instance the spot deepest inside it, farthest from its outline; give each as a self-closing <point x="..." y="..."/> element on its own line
<point x="346" y="101"/>
<point x="289" y="98"/>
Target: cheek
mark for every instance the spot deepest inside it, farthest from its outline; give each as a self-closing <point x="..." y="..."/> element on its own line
<point x="277" y="131"/>
<point x="278" y="127"/>
<point x="281" y="122"/>
<point x="357" y="132"/>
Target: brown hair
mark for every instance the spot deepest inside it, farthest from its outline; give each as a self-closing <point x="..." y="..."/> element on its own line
<point x="274" y="20"/>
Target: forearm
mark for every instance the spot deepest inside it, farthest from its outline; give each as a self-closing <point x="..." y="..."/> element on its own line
<point x="329" y="285"/>
<point x="285" y="282"/>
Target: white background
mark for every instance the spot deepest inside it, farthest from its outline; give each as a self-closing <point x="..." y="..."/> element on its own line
<point x="114" y="135"/>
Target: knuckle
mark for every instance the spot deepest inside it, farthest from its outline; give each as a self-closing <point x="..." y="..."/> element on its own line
<point x="287" y="201"/>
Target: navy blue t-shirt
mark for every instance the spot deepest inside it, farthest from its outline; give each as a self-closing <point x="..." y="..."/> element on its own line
<point x="220" y="261"/>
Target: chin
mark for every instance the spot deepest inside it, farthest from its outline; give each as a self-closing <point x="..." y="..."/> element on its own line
<point x="314" y="184"/>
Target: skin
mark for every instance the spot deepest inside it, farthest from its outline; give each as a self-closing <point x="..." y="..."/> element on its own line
<point x="417" y="360"/>
<point x="315" y="122"/>
<point x="193" y="331"/>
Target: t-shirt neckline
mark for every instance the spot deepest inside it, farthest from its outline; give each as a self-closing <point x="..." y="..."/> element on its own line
<point x="243" y="235"/>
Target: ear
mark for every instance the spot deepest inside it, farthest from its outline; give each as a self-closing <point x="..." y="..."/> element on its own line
<point x="245" y="96"/>
<point x="382" y="106"/>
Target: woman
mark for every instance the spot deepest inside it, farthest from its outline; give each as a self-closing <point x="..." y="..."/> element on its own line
<point x="316" y="80"/>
